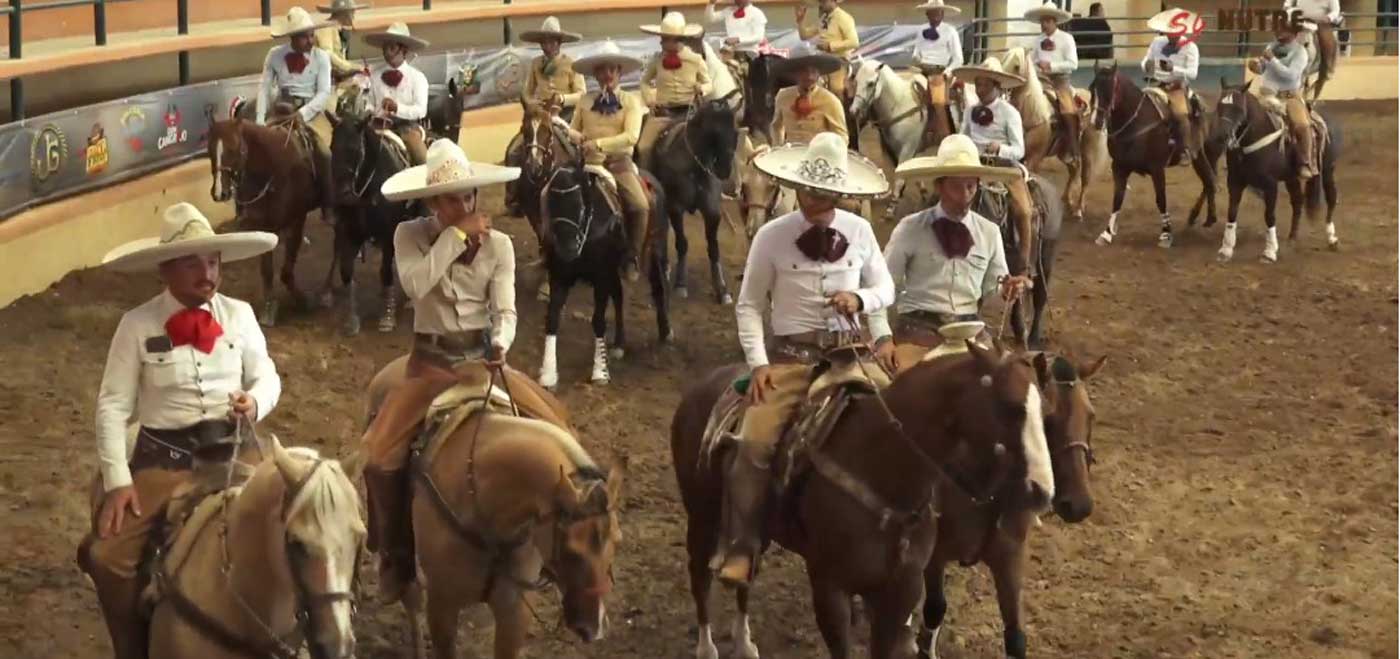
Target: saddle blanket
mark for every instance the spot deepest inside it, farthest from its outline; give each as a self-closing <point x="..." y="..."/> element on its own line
<point x="454" y="407"/>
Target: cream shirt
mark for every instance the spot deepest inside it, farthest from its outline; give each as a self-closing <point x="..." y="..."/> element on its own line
<point x="450" y="297"/>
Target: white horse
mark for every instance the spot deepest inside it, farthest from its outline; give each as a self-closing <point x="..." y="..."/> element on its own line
<point x="899" y="114"/>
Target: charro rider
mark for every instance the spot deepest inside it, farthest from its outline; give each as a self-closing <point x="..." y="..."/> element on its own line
<point x="1172" y="61"/>
<point x="1054" y="55"/>
<point x="833" y="32"/>
<point x="807" y="109"/>
<point x="1283" y="69"/>
<point x="184" y="366"/>
<point x="1326" y="15"/>
<point x="608" y="124"/>
<point x="944" y="260"/>
<point x="814" y="269"/>
<point x="298" y="74"/>
<point x="399" y="90"/>
<point x="335" y="40"/>
<point x="994" y="126"/>
<point x="937" y="51"/>
<point x="552" y="86"/>
<point x="460" y="274"/>
<point x="745" y="27"/>
<point x="672" y="81"/>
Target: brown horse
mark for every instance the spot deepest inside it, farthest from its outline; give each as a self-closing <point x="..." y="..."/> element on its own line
<point x="538" y="150"/>
<point x="267" y="174"/>
<point x="870" y="530"/>
<point x="971" y="533"/>
<point x="1139" y="142"/>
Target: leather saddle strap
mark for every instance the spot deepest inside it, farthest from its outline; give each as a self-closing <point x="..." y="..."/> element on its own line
<point x="888" y="515"/>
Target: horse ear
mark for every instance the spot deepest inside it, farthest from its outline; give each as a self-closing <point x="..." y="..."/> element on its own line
<point x="452" y="86"/>
<point x="1086" y="372"/>
<point x="1247" y="84"/>
<point x="616" y="475"/>
<point x="985" y="358"/>
<point x="1223" y="86"/>
<point x="1042" y="369"/>
<point x="565" y="494"/>
<point x="288" y="466"/>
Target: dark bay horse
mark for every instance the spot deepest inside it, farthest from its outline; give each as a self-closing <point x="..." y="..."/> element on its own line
<point x="761" y="86"/>
<point x="585" y="241"/>
<point x="1260" y="155"/>
<point x="445" y="110"/>
<point x="972" y="533"/>
<point x="871" y="533"/>
<point x="691" y="160"/>
<point x="1049" y="209"/>
<point x="265" y="171"/>
<point x="1139" y="142"/>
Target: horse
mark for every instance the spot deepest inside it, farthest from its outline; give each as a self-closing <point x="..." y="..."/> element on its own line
<point x="543" y="144"/>
<point x="444" y="118"/>
<point x="900" y="115"/>
<point x="760" y="197"/>
<point x="761" y="87"/>
<point x="699" y="157"/>
<point x="1139" y="142"/>
<point x="970" y="533"/>
<point x="723" y="86"/>
<point x="363" y="157"/>
<point x="1259" y="154"/>
<point x="269" y="177"/>
<point x="870" y="530"/>
<point x="271" y="568"/>
<point x="585" y="241"/>
<point x="1049" y="209"/>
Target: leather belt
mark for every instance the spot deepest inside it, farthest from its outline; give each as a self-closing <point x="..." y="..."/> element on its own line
<point x="932" y="69"/>
<point x="808" y="347"/>
<point x="176" y="449"/>
<point x="935" y="319"/>
<point x="671" y="111"/>
<point x="470" y="341"/>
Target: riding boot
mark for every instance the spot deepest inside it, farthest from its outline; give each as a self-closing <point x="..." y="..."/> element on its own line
<point x="1070" y="121"/>
<point x="391" y="529"/>
<point x="327" y="182"/>
<point x="120" y="600"/>
<point x="637" y="242"/>
<point x="746" y="492"/>
<point x="1181" y="129"/>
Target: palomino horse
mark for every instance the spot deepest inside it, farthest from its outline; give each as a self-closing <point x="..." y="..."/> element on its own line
<point x="700" y="156"/>
<point x="1259" y="154"/>
<point x="870" y="530"/>
<point x="971" y="533"/>
<point x="759" y="197"/>
<point x="272" y="568"/>
<point x="1139" y="141"/>
<point x="269" y="177"/>
<point x="585" y="241"/>
<point x="879" y="92"/>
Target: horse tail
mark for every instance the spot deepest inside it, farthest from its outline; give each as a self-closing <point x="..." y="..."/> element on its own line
<point x="1315" y="189"/>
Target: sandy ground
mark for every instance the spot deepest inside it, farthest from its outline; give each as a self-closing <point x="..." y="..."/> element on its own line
<point x="1245" y="494"/>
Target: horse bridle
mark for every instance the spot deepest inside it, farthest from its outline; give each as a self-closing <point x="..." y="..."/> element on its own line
<point x="1085" y="444"/>
<point x="1234" y="131"/>
<point x="585" y="226"/>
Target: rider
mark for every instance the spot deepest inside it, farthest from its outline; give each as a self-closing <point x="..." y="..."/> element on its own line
<point x="1283" y="70"/>
<point x="552" y="80"/>
<point x="1055" y="56"/>
<point x="400" y="88"/>
<point x="1172" y="63"/>
<point x="335" y="40"/>
<point x="938" y="50"/>
<point x="835" y="33"/>
<point x="1327" y="15"/>
<point x="944" y="260"/>
<point x="745" y="27"/>
<point x="806" y="109"/>
<point x="672" y="80"/>
<point x="995" y="128"/>
<point x="608" y="123"/>
<point x="814" y="269"/>
<point x="298" y="73"/>
<point x="183" y="366"/>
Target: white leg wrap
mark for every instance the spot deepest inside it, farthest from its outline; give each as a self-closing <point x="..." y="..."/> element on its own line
<point x="705" y="645"/>
<point x="1227" y="244"/>
<point x="600" y="362"/>
<point x="1106" y="238"/>
<point x="1271" y="245"/>
<point x="549" y="363"/>
<point x="744" y="647"/>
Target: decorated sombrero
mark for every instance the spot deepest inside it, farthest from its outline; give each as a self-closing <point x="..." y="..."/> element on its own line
<point x="337" y="6"/>
<point x="185" y="231"/>
<point x="396" y="33"/>
<point x="1034" y="14"/>
<point x="957" y="156"/>
<point x="608" y="53"/>
<point x="299" y="22"/>
<point x="447" y="171"/>
<point x="803" y="56"/>
<point x="931" y="5"/>
<point x="550" y="29"/>
<point x="673" y="25"/>
<point x="989" y="68"/>
<point x="825" y="166"/>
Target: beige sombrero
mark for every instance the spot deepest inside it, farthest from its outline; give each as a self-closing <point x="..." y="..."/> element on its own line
<point x="957" y="156"/>
<point x="938" y="4"/>
<point x="989" y="68"/>
<point x="608" y="53"/>
<point x="1175" y="20"/>
<point x="337" y="6"/>
<point x="396" y="33"/>
<point x="824" y="165"/>
<point x="550" y="29"/>
<point x="298" y="22"/>
<point x="804" y="55"/>
<point x="447" y="171"/>
<point x="673" y="25"/>
<point x="1034" y="14"/>
<point x="185" y="231"/>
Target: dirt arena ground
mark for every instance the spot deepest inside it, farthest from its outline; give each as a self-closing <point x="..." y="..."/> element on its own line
<point x="1245" y="494"/>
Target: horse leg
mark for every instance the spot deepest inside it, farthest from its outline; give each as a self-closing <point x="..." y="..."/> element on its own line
<point x="1296" y="200"/>
<point x="893" y="612"/>
<point x="833" y="608"/>
<point x="268" y="318"/>
<point x="601" y="294"/>
<point x="289" y="262"/>
<point x="1159" y="186"/>
<point x="327" y="296"/>
<point x="1040" y="295"/>
<point x="1329" y="190"/>
<point x="659" y="301"/>
<point x="1120" y="187"/>
<point x="388" y="321"/>
<point x="619" y="345"/>
<point x="443" y="612"/>
<point x="1232" y="213"/>
<point x="1008" y="564"/>
<point x="549" y="361"/>
<point x="512" y="622"/>
<point x="935" y="608"/>
<point x="744" y="647"/>
<point x="700" y="542"/>
<point x="1270" y="195"/>
<point x="1204" y="165"/>
<point x="677" y="217"/>
<point x="413" y="610"/>
<point x="345" y="253"/>
<point x="710" y="212"/>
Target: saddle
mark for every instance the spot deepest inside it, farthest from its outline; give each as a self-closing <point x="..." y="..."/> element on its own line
<point x="468" y="397"/>
<point x="1278" y="118"/>
<point x="994" y="203"/>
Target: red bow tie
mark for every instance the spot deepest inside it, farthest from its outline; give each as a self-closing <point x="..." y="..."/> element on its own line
<point x="194" y="327"/>
<point x="1047" y="44"/>
<point x="953" y="236"/>
<point x="802" y="106"/>
<point x="296" y="62"/>
<point x="739" y="12"/>
<point x="671" y="61"/>
<point x="392" y="77"/>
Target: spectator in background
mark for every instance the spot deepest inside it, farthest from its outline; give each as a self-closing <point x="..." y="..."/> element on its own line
<point x="1092" y="46"/>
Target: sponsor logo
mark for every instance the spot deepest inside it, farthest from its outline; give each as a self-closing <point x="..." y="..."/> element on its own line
<point x="97" y="152"/>
<point x="512" y="75"/>
<point x="174" y="134"/>
<point x="133" y="127"/>
<point x="48" y="153"/>
<point x="1257" y="19"/>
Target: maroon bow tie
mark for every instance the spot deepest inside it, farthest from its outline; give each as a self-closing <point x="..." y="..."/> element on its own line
<point x="392" y="77"/>
<point x="296" y="62"/>
<point x="953" y="236"/>
<point x="982" y="115"/>
<point x="823" y="244"/>
<point x="469" y="255"/>
<point x="1047" y="44"/>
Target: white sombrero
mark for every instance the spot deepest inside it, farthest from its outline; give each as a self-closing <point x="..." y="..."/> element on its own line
<point x="396" y="33"/>
<point x="1034" y="14"/>
<point x="673" y="25"/>
<point x="185" y="231"/>
<point x="550" y="29"/>
<point x="608" y="53"/>
<point x="989" y="68"/>
<point x="804" y="55"/>
<point x="447" y="171"/>
<point x="1175" y="19"/>
<point x="957" y="156"/>
<point x="337" y="6"/>
<point x="298" y="22"/>
<point x="938" y="4"/>
<point x="825" y="166"/>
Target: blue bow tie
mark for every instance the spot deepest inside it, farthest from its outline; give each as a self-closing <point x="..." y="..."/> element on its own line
<point x="607" y="103"/>
<point x="931" y="34"/>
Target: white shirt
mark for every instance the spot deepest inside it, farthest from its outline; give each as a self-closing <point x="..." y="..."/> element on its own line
<point x="313" y="83"/>
<point x="1286" y="73"/>
<point x="1320" y="11"/>
<point x="176" y="388"/>
<point x="749" y="30"/>
<point x="1063" y="59"/>
<point x="927" y="280"/>
<point x="1185" y="62"/>
<point x="946" y="51"/>
<point x="450" y="297"/>
<point x="411" y="94"/>
<point x="1005" y="129"/>
<point x="778" y="276"/>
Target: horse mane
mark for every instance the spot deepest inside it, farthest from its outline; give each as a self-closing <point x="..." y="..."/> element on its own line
<point x="1029" y="98"/>
<point x="326" y="494"/>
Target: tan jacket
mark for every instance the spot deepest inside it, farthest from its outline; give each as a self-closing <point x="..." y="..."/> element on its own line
<point x="666" y="87"/>
<point x="839" y="33"/>
<point x="617" y="133"/>
<point x="563" y="81"/>
<point x="328" y="39"/>
<point x="827" y="116"/>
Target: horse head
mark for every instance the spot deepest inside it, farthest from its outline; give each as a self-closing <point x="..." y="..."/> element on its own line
<point x="1069" y="430"/>
<point x="571" y="212"/>
<point x="586" y="536"/>
<point x="349" y="156"/>
<point x="460" y="86"/>
<point x="1105" y="91"/>
<point x="867" y="86"/>
<point x="713" y="136"/>
<point x="228" y="154"/>
<point x="760" y="92"/>
<point x="757" y="192"/>
<point x="1232" y="112"/>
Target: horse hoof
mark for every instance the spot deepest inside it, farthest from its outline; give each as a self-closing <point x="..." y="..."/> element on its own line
<point x="549" y="381"/>
<point x="726" y="299"/>
<point x="388" y="324"/>
<point x="1165" y="240"/>
<point x="1268" y="258"/>
<point x="668" y="336"/>
<point x="1334" y="245"/>
<point x="1224" y="255"/>
<point x="352" y="326"/>
<point x="1210" y="222"/>
<point x="1078" y="216"/>
<point x="600" y="380"/>
<point x="617" y="352"/>
<point x="268" y="318"/>
<point x="327" y="300"/>
<point x="1104" y="238"/>
<point x="682" y="292"/>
